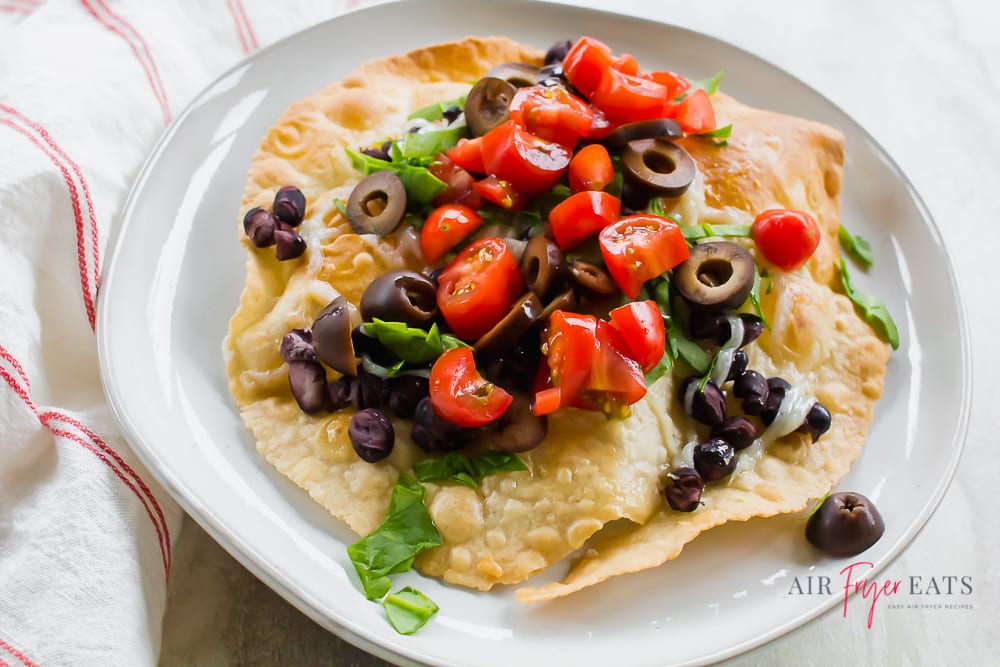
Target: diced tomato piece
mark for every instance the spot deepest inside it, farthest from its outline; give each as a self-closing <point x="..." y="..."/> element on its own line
<point x="626" y="64"/>
<point x="615" y="380"/>
<point x="591" y="169"/>
<point x="641" y="327"/>
<point x="786" y="238"/>
<point x="695" y="113"/>
<point x="477" y="288"/>
<point x="445" y="227"/>
<point x="552" y="113"/>
<point x="499" y="192"/>
<point x="673" y="82"/>
<point x="570" y="340"/>
<point x="628" y="98"/>
<point x="458" y="183"/>
<point x="461" y="395"/>
<point x="601" y="125"/>
<point x="585" y="64"/>
<point x="468" y="154"/>
<point x="582" y="215"/>
<point x="530" y="164"/>
<point x="546" y="401"/>
<point x="640" y="247"/>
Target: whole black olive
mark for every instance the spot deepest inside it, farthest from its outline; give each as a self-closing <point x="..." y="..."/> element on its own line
<point x="487" y="105"/>
<point x="307" y="380"/>
<point x="368" y="391"/>
<point x="684" y="490"/>
<point x="522" y="315"/>
<point x="776" y="390"/>
<point x="717" y="275"/>
<point x="405" y="392"/>
<point x="331" y="334"/>
<point x="707" y="406"/>
<point x="259" y="224"/>
<point x="751" y="386"/>
<point x="591" y="281"/>
<point x="518" y="74"/>
<point x="738" y="431"/>
<point x="289" y="205"/>
<point x="433" y="433"/>
<point x="738" y="365"/>
<point x="377" y="204"/>
<point x="297" y="345"/>
<point x="287" y="243"/>
<point x="518" y="429"/>
<point x="340" y="392"/>
<point x="664" y="128"/>
<point x="662" y="166"/>
<point x="544" y="267"/>
<point x="845" y="524"/>
<point x="557" y="52"/>
<point x="400" y="296"/>
<point x="817" y="421"/>
<point x="714" y="459"/>
<point x="371" y="434"/>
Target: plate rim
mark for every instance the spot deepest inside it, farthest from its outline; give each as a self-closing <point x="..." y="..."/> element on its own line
<point x="395" y="652"/>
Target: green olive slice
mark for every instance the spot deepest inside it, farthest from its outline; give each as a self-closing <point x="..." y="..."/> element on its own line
<point x="543" y="266"/>
<point x="377" y="204"/>
<point x="487" y="104"/>
<point x="518" y="75"/>
<point x="507" y="331"/>
<point x="717" y="275"/>
<point x="331" y="334"/>
<point x="662" y="166"/>
<point x="665" y="128"/>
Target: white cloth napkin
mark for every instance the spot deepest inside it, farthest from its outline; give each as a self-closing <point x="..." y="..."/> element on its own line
<point x="86" y="88"/>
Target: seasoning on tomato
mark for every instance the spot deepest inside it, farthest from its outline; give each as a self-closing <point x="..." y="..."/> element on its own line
<point x="531" y="165"/>
<point x="640" y="247"/>
<point x="478" y="287"/>
<point x="585" y="64"/>
<point x="461" y="395"/>
<point x="694" y="113"/>
<point x="591" y="169"/>
<point x="582" y="215"/>
<point x="552" y="113"/>
<point x="641" y="327"/>
<point x="445" y="227"/>
<point x="787" y="238"/>
<point x="615" y="380"/>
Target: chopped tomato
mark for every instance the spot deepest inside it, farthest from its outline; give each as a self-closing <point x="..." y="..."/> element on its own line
<point x="460" y="394"/>
<point x="673" y="82"/>
<point x="786" y="238"/>
<point x="551" y="112"/>
<point x="585" y="64"/>
<point x="695" y="113"/>
<point x="468" y="154"/>
<point x="616" y="380"/>
<point x="582" y="215"/>
<point x="569" y="343"/>
<point x="591" y="169"/>
<point x="530" y="164"/>
<point x="626" y="64"/>
<point x="628" y="98"/>
<point x="458" y="183"/>
<point x="477" y="288"/>
<point x="445" y="227"/>
<point x="640" y="247"/>
<point x="601" y="125"/>
<point x="546" y="401"/>
<point x="500" y="192"/>
<point x="641" y="327"/>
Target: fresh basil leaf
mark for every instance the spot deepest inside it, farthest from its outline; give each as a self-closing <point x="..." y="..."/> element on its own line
<point x="406" y="531"/>
<point x="408" y="610"/>
<point x="755" y="297"/>
<point x="689" y="351"/>
<point x="857" y="247"/>
<point x="435" y="111"/>
<point x="661" y="368"/>
<point x="696" y="232"/>
<point x="430" y="143"/>
<point x="410" y="344"/>
<point x="722" y="134"/>
<point x="420" y="184"/>
<point x="708" y="374"/>
<point x="656" y="207"/>
<point x="873" y="311"/>
<point x="468" y="471"/>
<point x="815" y="508"/>
<point x="378" y="370"/>
<point x="341" y="206"/>
<point x="709" y="85"/>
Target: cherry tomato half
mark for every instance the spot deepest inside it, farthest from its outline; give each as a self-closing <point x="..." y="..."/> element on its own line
<point x="478" y="287"/>
<point x="787" y="238"/>
<point x="582" y="215"/>
<point x="445" y="227"/>
<point x="458" y="183"/>
<point x="460" y="394"/>
<point x="640" y="247"/>
<point x="615" y="380"/>
<point x="585" y="64"/>
<point x="552" y="113"/>
<point x="673" y="82"/>
<point x="468" y="154"/>
<point x="628" y="98"/>
<point x="641" y="327"/>
<point x="570" y="340"/>
<point x="626" y="64"/>
<point x="530" y="164"/>
<point x="499" y="192"/>
<point x="591" y="169"/>
<point x="695" y="113"/>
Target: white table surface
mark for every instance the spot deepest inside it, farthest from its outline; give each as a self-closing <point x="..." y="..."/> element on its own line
<point x="923" y="76"/>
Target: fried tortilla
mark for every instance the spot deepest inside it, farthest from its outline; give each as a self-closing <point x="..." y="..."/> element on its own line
<point x="589" y="471"/>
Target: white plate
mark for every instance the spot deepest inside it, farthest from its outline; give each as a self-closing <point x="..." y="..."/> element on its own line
<point x="177" y="272"/>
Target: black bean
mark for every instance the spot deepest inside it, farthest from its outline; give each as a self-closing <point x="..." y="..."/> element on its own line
<point x="704" y="324"/>
<point x="260" y="225"/>
<point x="297" y="345"/>
<point x="714" y="459"/>
<point x="684" y="490"/>
<point x="340" y="392"/>
<point x="404" y="394"/>
<point x="738" y="431"/>
<point x="288" y="243"/>
<point x="739" y="365"/>
<point x="436" y="434"/>
<point x="753" y="327"/>
<point x="708" y="405"/>
<point x="371" y="434"/>
<point x="289" y="205"/>
<point x="557" y="52"/>
<point x="368" y="391"/>
<point x="308" y="382"/>
<point x="817" y="421"/>
<point x="776" y="390"/>
<point x="751" y="386"/>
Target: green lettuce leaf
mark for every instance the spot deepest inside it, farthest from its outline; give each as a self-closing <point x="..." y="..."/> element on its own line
<point x="857" y="247"/>
<point x="872" y="310"/>
<point x="435" y="111"/>
<point x="420" y="184"/>
<point x="412" y="345"/>
<point x="408" y="610"/>
<point x="430" y="143"/>
<point x="465" y="470"/>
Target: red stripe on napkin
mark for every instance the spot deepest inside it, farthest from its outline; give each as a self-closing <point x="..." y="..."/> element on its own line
<point x="243" y="28"/>
<point x="37" y="134"/>
<point x="123" y="29"/>
<point x="17" y="654"/>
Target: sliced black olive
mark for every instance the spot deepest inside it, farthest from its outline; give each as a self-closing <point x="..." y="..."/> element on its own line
<point x="642" y="129"/>
<point x="308" y="383"/>
<point x="565" y="301"/>
<point x="519" y="75"/>
<point x="400" y="296"/>
<point x="543" y="267"/>
<point x="514" y="368"/>
<point x="684" y="490"/>
<point x="717" y="275"/>
<point x="551" y="75"/>
<point x="331" y="333"/>
<point x="591" y="280"/>
<point x="518" y="429"/>
<point x="506" y="332"/>
<point x="487" y="105"/>
<point x="662" y="166"/>
<point x="377" y="204"/>
<point x="845" y="525"/>
<point x="635" y="197"/>
<point x="289" y="205"/>
<point x="557" y="52"/>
